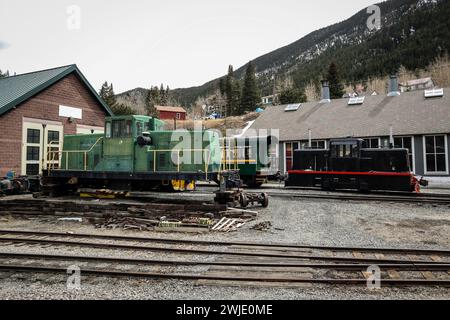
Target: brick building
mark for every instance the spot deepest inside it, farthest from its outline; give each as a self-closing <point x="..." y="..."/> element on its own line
<point x="170" y="113"/>
<point x="37" y="109"/>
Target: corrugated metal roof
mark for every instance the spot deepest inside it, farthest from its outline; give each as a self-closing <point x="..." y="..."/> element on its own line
<point x="16" y="89"/>
<point x="408" y="114"/>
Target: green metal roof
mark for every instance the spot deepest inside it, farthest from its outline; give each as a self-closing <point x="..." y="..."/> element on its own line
<point x="16" y="89"/>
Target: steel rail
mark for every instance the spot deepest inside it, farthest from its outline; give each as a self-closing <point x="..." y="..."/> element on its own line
<point x="123" y="260"/>
<point x="351" y="197"/>
<point x="227" y="243"/>
<point x="204" y="251"/>
<point x="158" y="275"/>
<point x="375" y="193"/>
<point x="267" y="188"/>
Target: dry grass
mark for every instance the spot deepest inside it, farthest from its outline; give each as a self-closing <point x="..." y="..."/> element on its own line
<point x="439" y="71"/>
<point x="218" y="124"/>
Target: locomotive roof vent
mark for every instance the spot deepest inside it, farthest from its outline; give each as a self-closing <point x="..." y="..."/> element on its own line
<point x="292" y="107"/>
<point x="356" y="101"/>
<point x="434" y="93"/>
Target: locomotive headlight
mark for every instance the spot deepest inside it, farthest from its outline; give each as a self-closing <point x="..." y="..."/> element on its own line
<point x="144" y="141"/>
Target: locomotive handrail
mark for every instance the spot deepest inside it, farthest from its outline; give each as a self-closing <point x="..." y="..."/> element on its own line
<point x="231" y="160"/>
<point x="67" y="152"/>
<point x="155" y="152"/>
<point x="50" y="162"/>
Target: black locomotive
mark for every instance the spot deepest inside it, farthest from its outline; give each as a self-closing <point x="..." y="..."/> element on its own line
<point x="348" y="165"/>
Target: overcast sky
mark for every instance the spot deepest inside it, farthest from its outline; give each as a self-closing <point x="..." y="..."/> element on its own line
<point x="138" y="43"/>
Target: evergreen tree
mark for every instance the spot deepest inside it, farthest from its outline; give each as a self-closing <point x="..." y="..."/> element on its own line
<point x="222" y="86"/>
<point x="162" y="95"/>
<point x="107" y="94"/>
<point x="153" y="99"/>
<point x="232" y="93"/>
<point x="336" y="87"/>
<point x="4" y="75"/>
<point x="292" y="95"/>
<point x="251" y="96"/>
<point x="122" y="110"/>
<point x="236" y="99"/>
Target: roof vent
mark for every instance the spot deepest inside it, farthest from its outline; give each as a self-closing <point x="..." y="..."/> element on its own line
<point x="325" y="92"/>
<point x="356" y="101"/>
<point x="434" y="93"/>
<point x="393" y="86"/>
<point x="292" y="107"/>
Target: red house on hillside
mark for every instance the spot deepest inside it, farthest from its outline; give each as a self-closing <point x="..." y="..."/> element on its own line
<point x="170" y="113"/>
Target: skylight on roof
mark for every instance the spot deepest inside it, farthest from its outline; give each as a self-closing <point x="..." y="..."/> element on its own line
<point x="434" y="93"/>
<point x="356" y="101"/>
<point x="292" y="107"/>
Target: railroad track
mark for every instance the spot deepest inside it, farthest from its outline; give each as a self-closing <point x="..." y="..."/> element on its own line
<point x="240" y="262"/>
<point x="441" y="200"/>
<point x="349" y="195"/>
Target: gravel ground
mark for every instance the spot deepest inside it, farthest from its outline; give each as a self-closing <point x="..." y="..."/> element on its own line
<point x="311" y="222"/>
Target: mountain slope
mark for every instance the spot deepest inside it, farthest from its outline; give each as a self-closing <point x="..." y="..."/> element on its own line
<point x="413" y="33"/>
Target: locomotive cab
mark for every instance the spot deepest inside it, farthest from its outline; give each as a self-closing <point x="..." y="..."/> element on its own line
<point x="124" y="135"/>
<point x="345" y="154"/>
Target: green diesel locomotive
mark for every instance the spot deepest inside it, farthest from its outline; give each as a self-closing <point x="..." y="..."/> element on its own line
<point x="136" y="153"/>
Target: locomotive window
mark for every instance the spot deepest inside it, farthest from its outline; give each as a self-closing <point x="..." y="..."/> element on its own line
<point x="116" y="128"/>
<point x="345" y="151"/>
<point x="127" y="133"/>
<point x="121" y="129"/>
<point x="139" y="128"/>
<point x="108" y="130"/>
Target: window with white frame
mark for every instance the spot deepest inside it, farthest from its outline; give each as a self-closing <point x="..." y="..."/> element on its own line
<point x="290" y="147"/>
<point x="289" y="154"/>
<point x="316" y="144"/>
<point x="406" y="143"/>
<point x="436" y="154"/>
<point x="178" y="116"/>
<point x="371" y="143"/>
